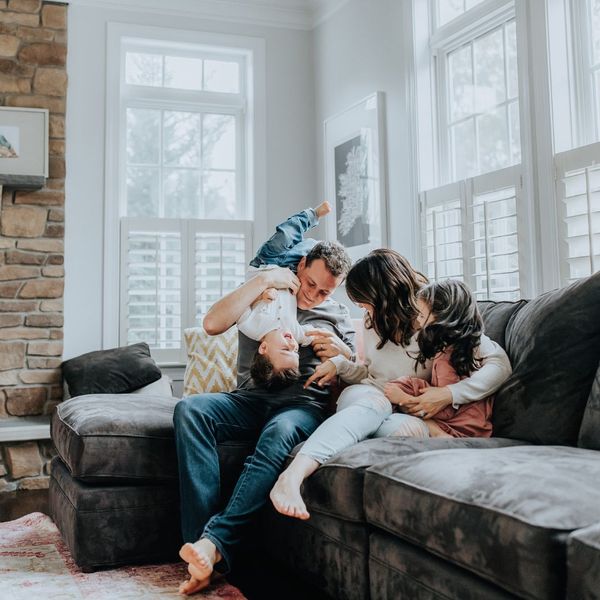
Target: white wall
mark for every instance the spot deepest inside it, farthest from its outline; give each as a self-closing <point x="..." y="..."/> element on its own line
<point x="357" y="51"/>
<point x="290" y="145"/>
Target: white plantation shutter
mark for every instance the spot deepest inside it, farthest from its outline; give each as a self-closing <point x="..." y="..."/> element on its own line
<point x="494" y="254"/>
<point x="221" y="260"/>
<point x="471" y="228"/>
<point x="443" y="215"/>
<point x="172" y="271"/>
<point x="578" y="195"/>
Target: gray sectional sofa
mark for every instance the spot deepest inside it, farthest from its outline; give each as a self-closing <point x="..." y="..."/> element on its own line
<point x="513" y="516"/>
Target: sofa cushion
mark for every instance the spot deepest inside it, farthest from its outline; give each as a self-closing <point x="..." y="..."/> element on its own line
<point x="115" y="371"/>
<point x="503" y="514"/>
<point x="583" y="563"/>
<point x="127" y="437"/>
<point x="112" y="525"/>
<point x="336" y="488"/>
<point x="589" y="434"/>
<point x="553" y="343"/>
<point x="496" y="316"/>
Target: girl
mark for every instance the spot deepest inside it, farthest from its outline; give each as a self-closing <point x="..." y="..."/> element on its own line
<point x="450" y="334"/>
<point x="386" y="286"/>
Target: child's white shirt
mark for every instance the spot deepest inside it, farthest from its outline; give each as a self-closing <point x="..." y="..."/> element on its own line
<point x="265" y="316"/>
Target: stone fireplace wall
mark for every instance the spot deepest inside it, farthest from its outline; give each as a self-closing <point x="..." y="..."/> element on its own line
<point x="33" y="49"/>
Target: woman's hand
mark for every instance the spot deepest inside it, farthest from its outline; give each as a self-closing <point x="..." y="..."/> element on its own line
<point x="429" y="403"/>
<point x="326" y="344"/>
<point x="396" y="395"/>
<point x="324" y="373"/>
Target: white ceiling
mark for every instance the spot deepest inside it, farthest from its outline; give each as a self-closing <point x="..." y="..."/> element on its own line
<point x="297" y="14"/>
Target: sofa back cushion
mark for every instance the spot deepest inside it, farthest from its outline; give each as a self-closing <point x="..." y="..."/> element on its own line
<point x="553" y="342"/>
<point x="496" y="316"/>
<point x="589" y="434"/>
<point x="211" y="361"/>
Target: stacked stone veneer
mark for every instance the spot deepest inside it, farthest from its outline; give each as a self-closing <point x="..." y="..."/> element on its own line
<point x="33" y="49"/>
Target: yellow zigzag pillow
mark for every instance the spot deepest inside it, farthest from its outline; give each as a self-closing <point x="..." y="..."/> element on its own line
<point x="212" y="361"/>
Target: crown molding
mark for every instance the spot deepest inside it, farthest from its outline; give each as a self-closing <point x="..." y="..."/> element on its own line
<point x="322" y="10"/>
<point x="292" y="14"/>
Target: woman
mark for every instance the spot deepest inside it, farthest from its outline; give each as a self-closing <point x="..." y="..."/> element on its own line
<point x="385" y="285"/>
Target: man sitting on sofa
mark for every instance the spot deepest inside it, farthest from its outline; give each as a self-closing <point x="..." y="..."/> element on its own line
<point x="278" y="420"/>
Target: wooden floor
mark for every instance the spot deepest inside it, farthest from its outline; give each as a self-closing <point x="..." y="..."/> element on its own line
<point x="16" y="504"/>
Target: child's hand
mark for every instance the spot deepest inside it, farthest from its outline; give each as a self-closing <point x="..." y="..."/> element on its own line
<point x="323" y="209"/>
<point x="269" y="295"/>
<point x="324" y="373"/>
<point x="395" y="395"/>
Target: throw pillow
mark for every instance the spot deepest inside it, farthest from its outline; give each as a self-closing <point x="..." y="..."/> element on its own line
<point x="553" y="343"/>
<point x="115" y="371"/>
<point x="212" y="361"/>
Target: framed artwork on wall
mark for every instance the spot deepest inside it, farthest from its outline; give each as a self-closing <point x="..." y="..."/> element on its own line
<point x="355" y="181"/>
<point x="23" y="146"/>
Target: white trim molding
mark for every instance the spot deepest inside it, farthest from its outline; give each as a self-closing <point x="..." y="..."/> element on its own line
<point x="292" y="14"/>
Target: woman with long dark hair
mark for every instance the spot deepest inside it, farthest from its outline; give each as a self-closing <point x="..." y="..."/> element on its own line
<point x="385" y="285"/>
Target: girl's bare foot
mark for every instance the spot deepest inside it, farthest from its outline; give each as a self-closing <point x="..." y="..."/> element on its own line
<point x="287" y="500"/>
<point x="323" y="209"/>
<point x="202" y="556"/>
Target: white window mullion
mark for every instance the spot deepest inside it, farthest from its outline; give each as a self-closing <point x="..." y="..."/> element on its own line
<point x="466" y="202"/>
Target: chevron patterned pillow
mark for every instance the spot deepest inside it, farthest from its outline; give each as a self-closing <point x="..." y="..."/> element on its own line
<point x="211" y="365"/>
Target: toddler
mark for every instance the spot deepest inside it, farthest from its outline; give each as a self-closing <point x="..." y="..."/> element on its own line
<point x="272" y="318"/>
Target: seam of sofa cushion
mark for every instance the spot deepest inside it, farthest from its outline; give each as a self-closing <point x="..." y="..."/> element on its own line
<point x="415" y="486"/>
<point x="585" y="543"/>
<point x="486" y="576"/>
<point x="320" y="532"/>
<point x="337" y="516"/>
<point x="91" y="512"/>
<point x="150" y="479"/>
<point x="405" y="574"/>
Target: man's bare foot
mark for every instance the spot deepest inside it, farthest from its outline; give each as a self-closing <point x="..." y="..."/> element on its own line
<point x="287" y="500"/>
<point x="323" y="209"/>
<point x="202" y="556"/>
<point x="193" y="584"/>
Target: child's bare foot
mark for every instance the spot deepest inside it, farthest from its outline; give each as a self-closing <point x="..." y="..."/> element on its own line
<point x="202" y="556"/>
<point x="287" y="500"/>
<point x="323" y="209"/>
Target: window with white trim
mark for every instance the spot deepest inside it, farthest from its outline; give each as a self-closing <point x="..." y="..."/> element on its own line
<point x="471" y="203"/>
<point x="183" y="204"/>
<point x="575" y="70"/>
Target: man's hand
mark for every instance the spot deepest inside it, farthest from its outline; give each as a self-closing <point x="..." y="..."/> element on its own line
<point x="324" y="373"/>
<point x="280" y="278"/>
<point x="429" y="403"/>
<point x="327" y="344"/>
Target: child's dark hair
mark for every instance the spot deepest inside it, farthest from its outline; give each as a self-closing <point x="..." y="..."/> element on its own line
<point x="457" y="323"/>
<point x="263" y="374"/>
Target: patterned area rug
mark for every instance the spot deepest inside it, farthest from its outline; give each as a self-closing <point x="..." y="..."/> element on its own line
<point x="35" y="563"/>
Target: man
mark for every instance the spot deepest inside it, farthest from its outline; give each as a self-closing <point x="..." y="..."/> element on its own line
<point x="277" y="419"/>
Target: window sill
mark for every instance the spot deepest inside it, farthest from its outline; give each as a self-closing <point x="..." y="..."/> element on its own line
<point x="18" y="429"/>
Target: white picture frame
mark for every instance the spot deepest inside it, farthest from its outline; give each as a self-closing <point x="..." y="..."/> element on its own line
<point x="355" y="176"/>
<point x="23" y="143"/>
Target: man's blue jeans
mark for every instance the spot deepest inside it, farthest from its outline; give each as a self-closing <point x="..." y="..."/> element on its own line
<point x="203" y="420"/>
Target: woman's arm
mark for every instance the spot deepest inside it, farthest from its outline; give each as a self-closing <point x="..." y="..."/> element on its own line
<point x="495" y="370"/>
<point x="225" y="313"/>
<point x="349" y="371"/>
